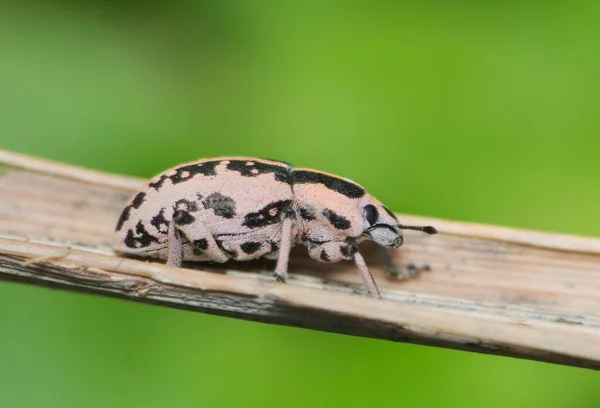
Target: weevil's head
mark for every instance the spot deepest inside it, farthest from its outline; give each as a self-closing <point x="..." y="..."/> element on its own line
<point x="382" y="226"/>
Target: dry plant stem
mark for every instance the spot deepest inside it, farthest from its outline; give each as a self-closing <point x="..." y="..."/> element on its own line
<point x="489" y="289"/>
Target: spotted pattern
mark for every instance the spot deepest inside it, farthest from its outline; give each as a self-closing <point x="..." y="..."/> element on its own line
<point x="250" y="247"/>
<point x="269" y="214"/>
<point x="141" y="238"/>
<point x="184" y="173"/>
<point x="182" y="217"/>
<point x="337" y="184"/>
<point x="160" y="222"/>
<point x="308" y="213"/>
<point x="338" y="221"/>
<point x="200" y="245"/>
<point x="185" y="205"/>
<point x="135" y="203"/>
<point x="223" y="206"/>
<point x="253" y="168"/>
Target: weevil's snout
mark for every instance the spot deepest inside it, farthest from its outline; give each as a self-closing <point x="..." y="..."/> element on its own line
<point x="381" y="225"/>
<point x="384" y="228"/>
<point x="386" y="235"/>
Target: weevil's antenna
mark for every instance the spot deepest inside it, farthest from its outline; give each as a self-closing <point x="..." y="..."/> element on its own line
<point x="426" y="229"/>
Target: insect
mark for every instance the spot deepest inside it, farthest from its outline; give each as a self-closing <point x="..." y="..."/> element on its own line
<point x="244" y="208"/>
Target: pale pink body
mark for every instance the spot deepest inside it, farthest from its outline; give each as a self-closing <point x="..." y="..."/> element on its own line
<point x="240" y="208"/>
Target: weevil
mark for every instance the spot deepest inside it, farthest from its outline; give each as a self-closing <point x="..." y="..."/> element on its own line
<point x="244" y="208"/>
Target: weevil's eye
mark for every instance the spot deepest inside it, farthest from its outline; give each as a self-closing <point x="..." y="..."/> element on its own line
<point x="371" y="214"/>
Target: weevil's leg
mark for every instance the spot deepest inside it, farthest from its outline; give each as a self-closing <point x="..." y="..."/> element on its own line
<point x="281" y="268"/>
<point x="410" y="271"/>
<point x="366" y="274"/>
<point x="174" y="247"/>
<point x="195" y="231"/>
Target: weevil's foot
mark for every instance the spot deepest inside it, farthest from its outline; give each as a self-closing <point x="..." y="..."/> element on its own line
<point x="410" y="271"/>
<point x="279" y="278"/>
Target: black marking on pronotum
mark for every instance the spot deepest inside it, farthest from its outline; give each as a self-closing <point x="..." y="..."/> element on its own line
<point x="124" y="217"/>
<point x="186" y="205"/>
<point x="186" y="172"/>
<point x="250" y="247"/>
<point x="338" y="221"/>
<point x="371" y="214"/>
<point x="253" y="168"/>
<point x="143" y="238"/>
<point x="223" y="206"/>
<point x="336" y="184"/>
<point x="182" y="217"/>
<point x="138" y="200"/>
<point x="160" y="222"/>
<point x="324" y="256"/>
<point x="269" y="214"/>
<point x="391" y="214"/>
<point x="307" y="213"/>
<point x="348" y="250"/>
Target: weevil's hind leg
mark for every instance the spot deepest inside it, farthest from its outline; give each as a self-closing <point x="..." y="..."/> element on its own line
<point x="281" y="268"/>
<point x="174" y="246"/>
<point x="410" y="271"/>
<point x="366" y="275"/>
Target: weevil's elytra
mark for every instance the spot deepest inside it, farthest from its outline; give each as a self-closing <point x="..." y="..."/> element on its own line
<point x="244" y="208"/>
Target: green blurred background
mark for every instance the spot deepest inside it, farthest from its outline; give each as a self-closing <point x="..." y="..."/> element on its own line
<point x="482" y="112"/>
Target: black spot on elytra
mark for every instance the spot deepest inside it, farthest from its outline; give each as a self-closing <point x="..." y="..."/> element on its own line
<point x="187" y="172"/>
<point x="324" y="256"/>
<point x="307" y="213"/>
<point x="160" y="222"/>
<point x="158" y="183"/>
<point x="387" y="210"/>
<point x="250" y="247"/>
<point x="135" y="203"/>
<point x="138" y="200"/>
<point x="200" y="245"/>
<point x="269" y="214"/>
<point x="338" y="221"/>
<point x="337" y="184"/>
<point x="282" y="173"/>
<point x="348" y="250"/>
<point x="223" y="206"/>
<point x="141" y="239"/>
<point x="186" y="205"/>
<point x="182" y="217"/>
<point x="124" y="217"/>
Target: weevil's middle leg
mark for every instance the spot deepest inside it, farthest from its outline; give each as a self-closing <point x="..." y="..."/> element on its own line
<point x="281" y="268"/>
<point x="409" y="271"/>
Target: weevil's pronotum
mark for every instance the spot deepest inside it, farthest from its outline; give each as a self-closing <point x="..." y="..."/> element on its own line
<point x="244" y="208"/>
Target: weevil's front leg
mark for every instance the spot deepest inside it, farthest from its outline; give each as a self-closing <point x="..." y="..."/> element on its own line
<point x="281" y="268"/>
<point x="366" y="275"/>
<point x="334" y="251"/>
<point x="409" y="271"/>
